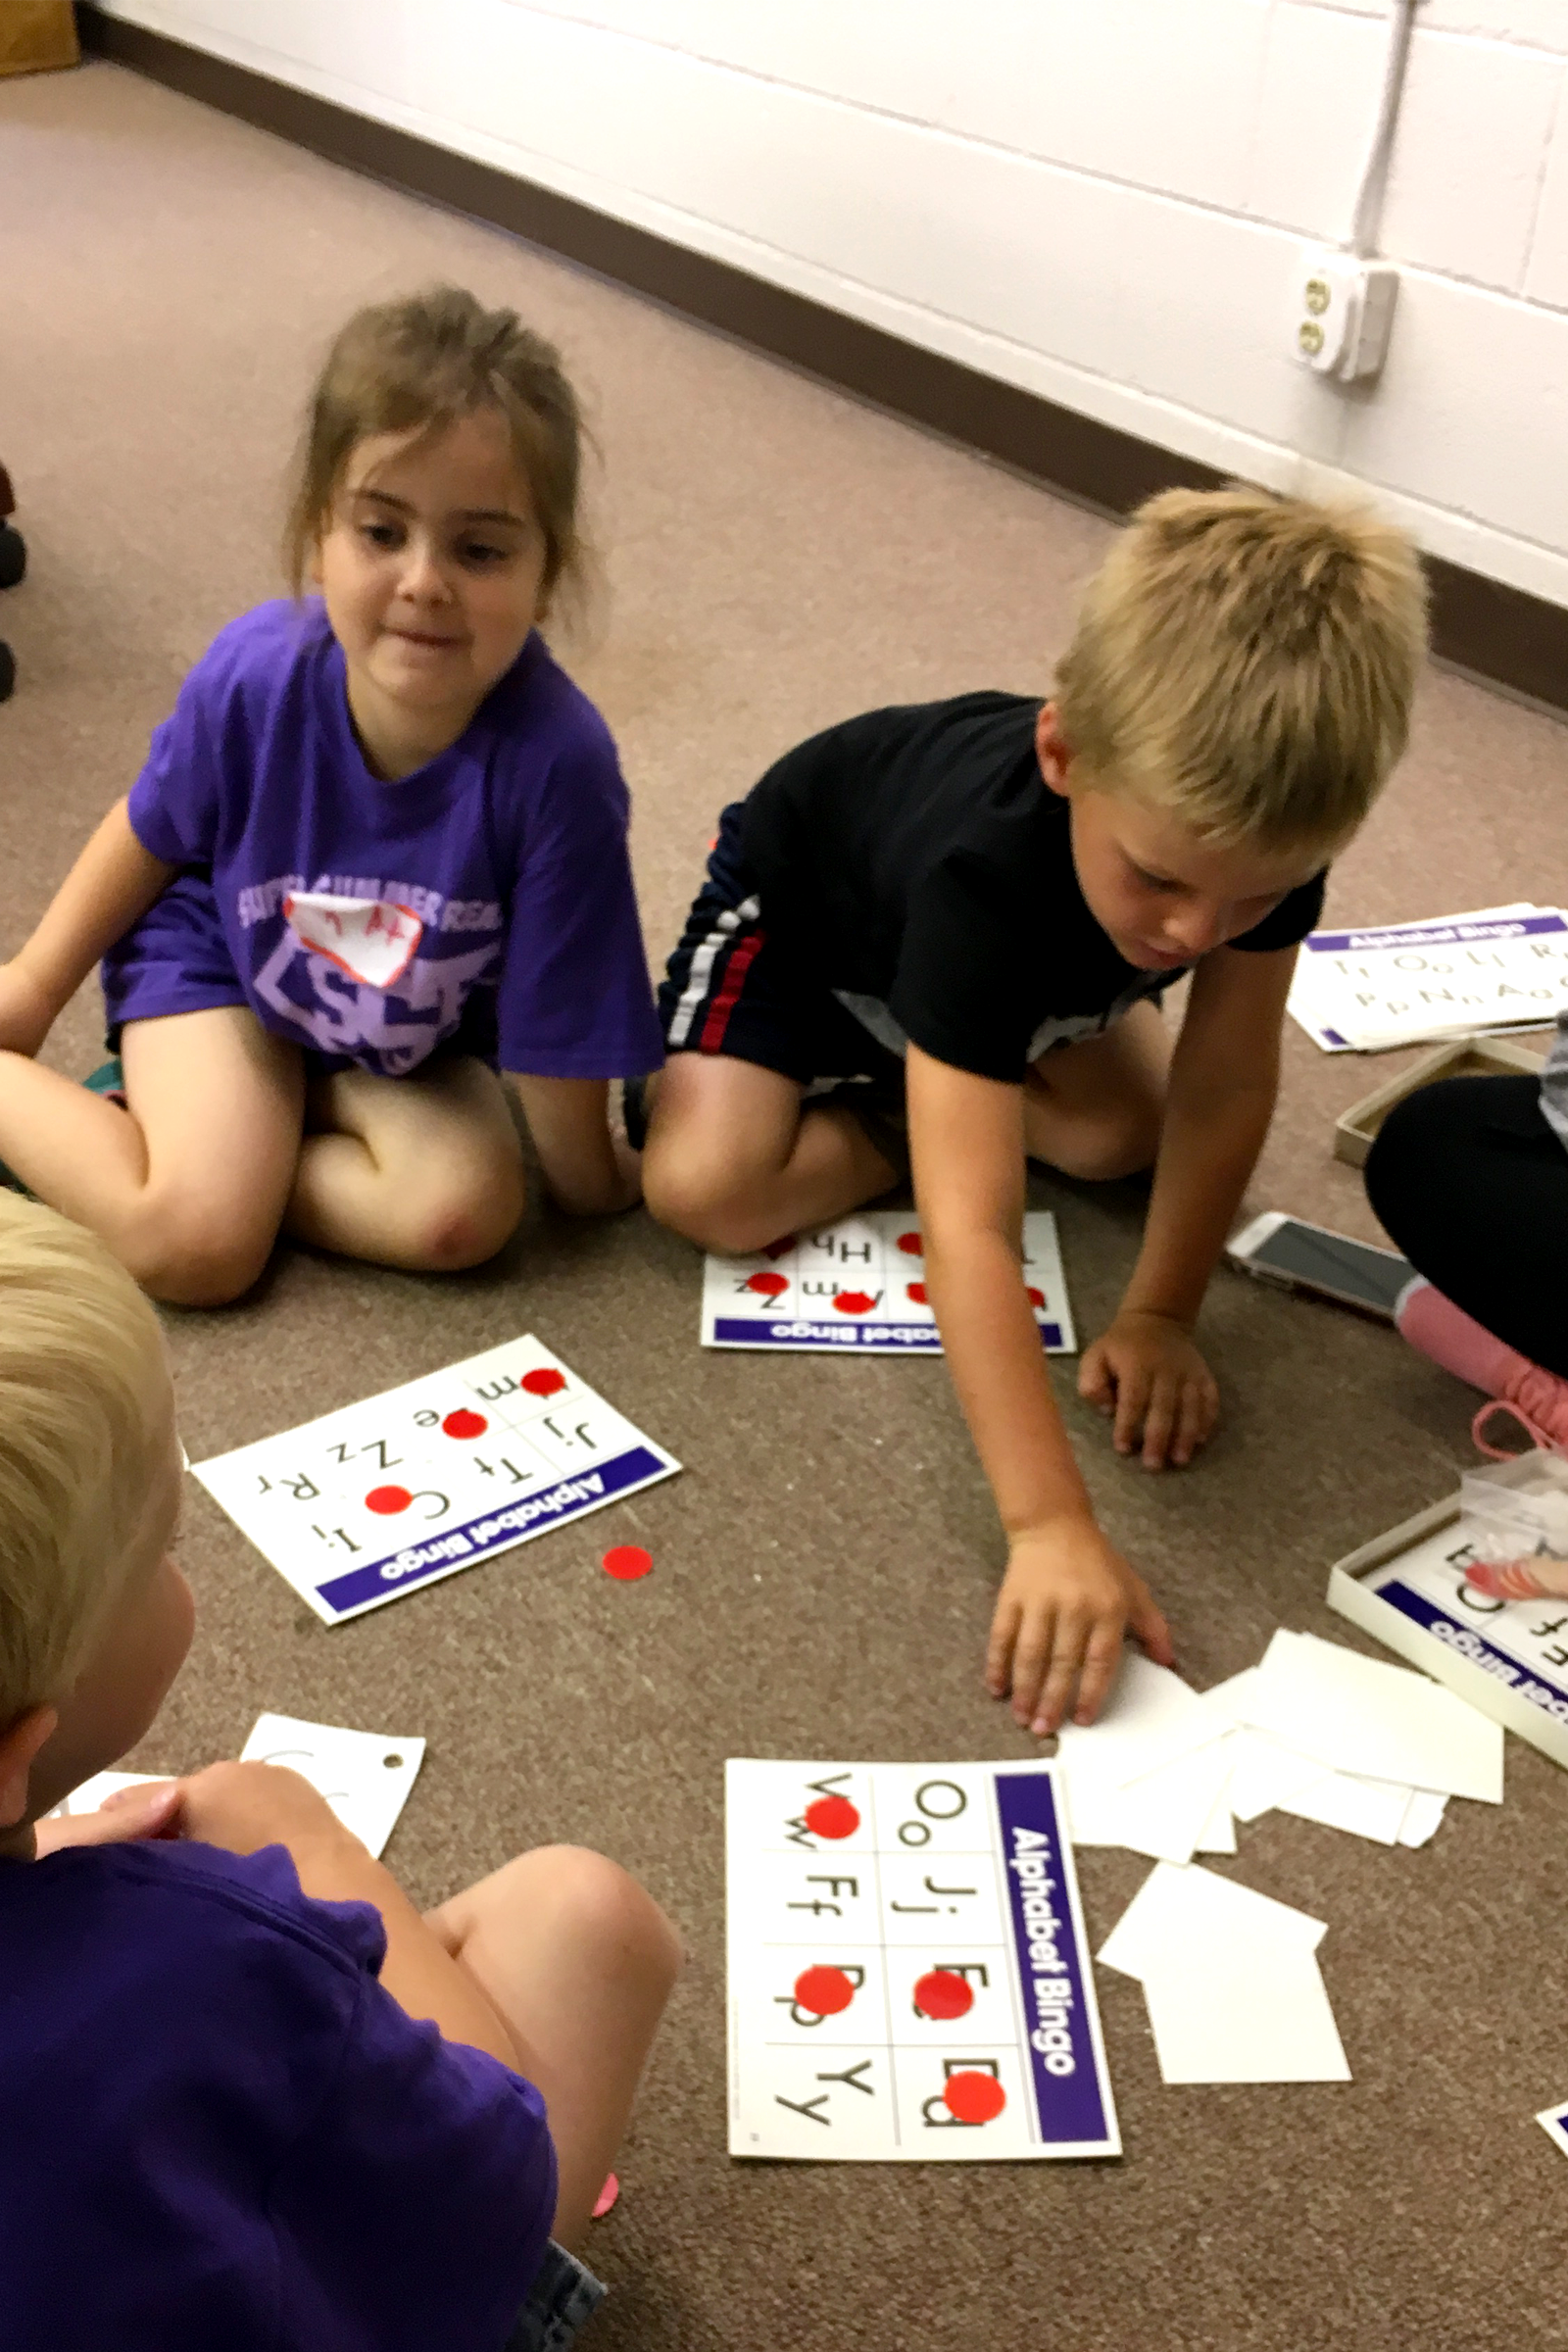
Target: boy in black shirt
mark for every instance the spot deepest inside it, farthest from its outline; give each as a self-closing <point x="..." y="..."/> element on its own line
<point x="967" y="913"/>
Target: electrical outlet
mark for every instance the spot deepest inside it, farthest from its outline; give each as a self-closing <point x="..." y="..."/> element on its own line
<point x="1343" y="309"/>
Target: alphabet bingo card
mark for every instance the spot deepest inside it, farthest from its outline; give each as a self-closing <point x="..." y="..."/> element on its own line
<point x="860" y="1284"/>
<point x="1402" y="984"/>
<point x="361" y="1507"/>
<point x="908" y="1975"/>
<point x="1523" y="1645"/>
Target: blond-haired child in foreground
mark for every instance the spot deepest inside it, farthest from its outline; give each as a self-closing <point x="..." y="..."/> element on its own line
<point x="252" y="2096"/>
<point x="966" y="913"/>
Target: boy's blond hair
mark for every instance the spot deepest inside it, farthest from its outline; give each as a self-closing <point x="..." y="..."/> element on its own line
<point x="1248" y="663"/>
<point x="84" y="1419"/>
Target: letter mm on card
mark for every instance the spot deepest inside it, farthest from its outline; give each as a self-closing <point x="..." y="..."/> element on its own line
<point x="908" y="1977"/>
<point x="368" y="1502"/>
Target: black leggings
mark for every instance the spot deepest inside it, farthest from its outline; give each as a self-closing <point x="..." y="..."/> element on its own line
<point x="1473" y="1184"/>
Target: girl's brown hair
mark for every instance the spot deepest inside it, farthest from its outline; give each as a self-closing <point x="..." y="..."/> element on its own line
<point x="421" y="364"/>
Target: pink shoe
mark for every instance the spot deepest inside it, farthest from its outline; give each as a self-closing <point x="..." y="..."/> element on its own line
<point x="1537" y="1399"/>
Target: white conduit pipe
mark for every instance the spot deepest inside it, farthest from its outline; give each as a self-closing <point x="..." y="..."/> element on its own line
<point x="1368" y="214"/>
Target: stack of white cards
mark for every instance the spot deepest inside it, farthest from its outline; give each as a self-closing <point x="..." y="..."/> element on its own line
<point x="1406" y="983"/>
<point x="1315" y="1730"/>
<point x="1232" y="1982"/>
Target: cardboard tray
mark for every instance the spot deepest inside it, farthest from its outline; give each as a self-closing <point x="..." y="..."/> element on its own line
<point x="1505" y="1704"/>
<point x="1461" y="1057"/>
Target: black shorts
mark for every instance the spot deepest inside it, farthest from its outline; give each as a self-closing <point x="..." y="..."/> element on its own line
<point x="730" y="988"/>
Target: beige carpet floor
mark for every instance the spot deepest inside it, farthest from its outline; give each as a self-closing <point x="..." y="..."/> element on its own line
<point x="776" y="556"/>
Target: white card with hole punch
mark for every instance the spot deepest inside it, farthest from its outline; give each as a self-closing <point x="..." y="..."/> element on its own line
<point x="365" y="1776"/>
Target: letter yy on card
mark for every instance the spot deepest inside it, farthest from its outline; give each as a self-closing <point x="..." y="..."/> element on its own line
<point x="364" y="1504"/>
<point x="909" y="1975"/>
<point x="860" y="1284"/>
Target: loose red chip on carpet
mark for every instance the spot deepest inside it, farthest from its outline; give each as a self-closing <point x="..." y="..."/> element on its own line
<point x="832" y="1817"/>
<point x="973" y="2098"/>
<point x="464" y="1424"/>
<point x="544" y="1382"/>
<point x="626" y="1562"/>
<point x="824" y="1991"/>
<point x="943" y="1994"/>
<point x="387" y="1499"/>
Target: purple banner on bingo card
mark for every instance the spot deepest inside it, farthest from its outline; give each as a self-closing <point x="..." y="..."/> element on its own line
<point x="1433" y="935"/>
<point x="1464" y="1640"/>
<point x="891" y="1339"/>
<point x="496" y="1531"/>
<point x="1061" y="2021"/>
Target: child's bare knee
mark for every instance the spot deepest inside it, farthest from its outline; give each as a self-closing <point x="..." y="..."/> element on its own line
<point x="464" y="1224"/>
<point x="598" y="1903"/>
<point x="1123" y="1144"/>
<point x="700" y="1203"/>
<point x="192" y="1260"/>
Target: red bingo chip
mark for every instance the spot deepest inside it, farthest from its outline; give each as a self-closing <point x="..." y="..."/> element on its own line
<point x="973" y="2098"/>
<point x="544" y="1382"/>
<point x="911" y="1245"/>
<point x="1037" y="1297"/>
<point x="916" y="1291"/>
<point x="386" y="1499"/>
<point x="941" y="1993"/>
<point x="853" y="1302"/>
<point x="767" y="1286"/>
<point x="626" y="1562"/>
<point x="832" y="1817"/>
<point x="464" y="1424"/>
<point x="824" y="1991"/>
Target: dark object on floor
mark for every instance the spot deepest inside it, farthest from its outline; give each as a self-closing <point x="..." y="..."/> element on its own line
<point x="1473" y="1184"/>
<point x="12" y="565"/>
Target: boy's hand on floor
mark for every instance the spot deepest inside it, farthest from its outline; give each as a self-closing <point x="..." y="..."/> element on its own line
<point x="243" y="1807"/>
<point x="1065" y="1601"/>
<point x="129" y="1814"/>
<point x="1147" y="1372"/>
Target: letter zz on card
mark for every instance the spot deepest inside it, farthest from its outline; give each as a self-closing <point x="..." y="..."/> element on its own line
<point x="909" y="1975"/>
<point x="860" y="1284"/>
<point x="368" y="1504"/>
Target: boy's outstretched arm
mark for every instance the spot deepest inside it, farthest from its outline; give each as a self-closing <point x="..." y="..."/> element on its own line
<point x="1067" y="1595"/>
<point x="1224" y="1076"/>
<point x="589" y="1170"/>
<point x="111" y="884"/>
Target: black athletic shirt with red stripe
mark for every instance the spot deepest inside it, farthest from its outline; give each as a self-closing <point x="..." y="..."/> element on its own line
<point x="917" y="861"/>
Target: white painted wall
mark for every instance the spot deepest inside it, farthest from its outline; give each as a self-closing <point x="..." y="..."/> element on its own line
<point x="1101" y="200"/>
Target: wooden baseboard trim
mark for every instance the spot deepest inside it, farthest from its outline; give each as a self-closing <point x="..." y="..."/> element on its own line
<point x="1498" y="633"/>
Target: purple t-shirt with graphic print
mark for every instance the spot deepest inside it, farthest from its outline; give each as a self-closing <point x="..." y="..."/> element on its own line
<point x="220" y="2134"/>
<point x="484" y="904"/>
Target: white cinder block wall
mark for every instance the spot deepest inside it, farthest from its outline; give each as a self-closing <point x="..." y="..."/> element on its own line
<point x="1099" y="200"/>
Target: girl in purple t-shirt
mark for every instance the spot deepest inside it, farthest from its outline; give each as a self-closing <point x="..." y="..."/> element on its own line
<point x="376" y="856"/>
